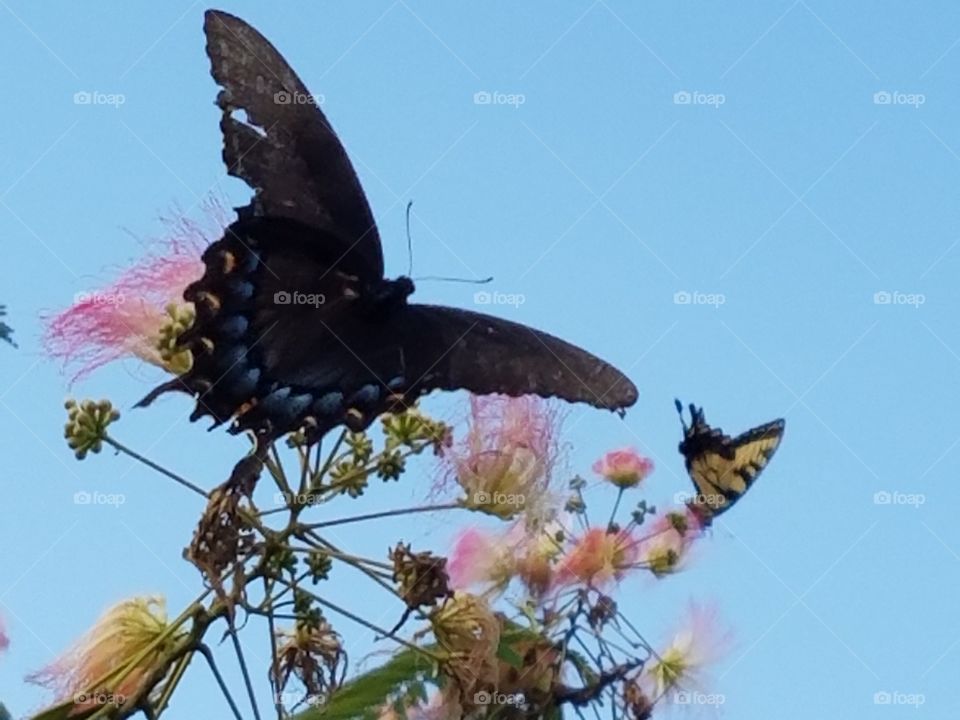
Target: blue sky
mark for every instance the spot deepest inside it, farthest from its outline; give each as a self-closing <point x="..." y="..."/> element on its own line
<point x="790" y="168"/>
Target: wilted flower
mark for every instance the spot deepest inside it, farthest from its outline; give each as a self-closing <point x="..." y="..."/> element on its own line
<point x="469" y="633"/>
<point x="682" y="663"/>
<point x="597" y="557"/>
<point x="505" y="461"/>
<point x="668" y="543"/>
<point x="313" y="653"/>
<point x="105" y="666"/>
<point x="138" y="314"/>
<point x="422" y="576"/>
<point x="624" y="468"/>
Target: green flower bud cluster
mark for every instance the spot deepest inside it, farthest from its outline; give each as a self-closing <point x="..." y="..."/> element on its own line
<point x="175" y="359"/>
<point x="87" y="425"/>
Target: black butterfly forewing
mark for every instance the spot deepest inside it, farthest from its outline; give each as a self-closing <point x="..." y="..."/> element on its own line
<point x="286" y="150"/>
<point x="296" y="325"/>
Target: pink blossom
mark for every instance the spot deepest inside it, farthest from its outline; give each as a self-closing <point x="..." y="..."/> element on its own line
<point x="506" y="459"/>
<point x="624" y="468"/>
<point x="124" y="318"/>
<point x="480" y="556"/>
<point x="4" y="639"/>
<point x="665" y="547"/>
<point x="597" y="557"/>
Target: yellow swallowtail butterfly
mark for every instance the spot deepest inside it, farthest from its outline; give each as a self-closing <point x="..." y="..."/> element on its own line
<point x="723" y="468"/>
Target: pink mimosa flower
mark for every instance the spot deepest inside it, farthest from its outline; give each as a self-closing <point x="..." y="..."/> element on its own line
<point x="505" y="461"/>
<point x="597" y="557"/>
<point x="496" y="558"/>
<point x="665" y="546"/>
<point x="480" y="556"/>
<point x="624" y="468"/>
<point x="124" y="318"/>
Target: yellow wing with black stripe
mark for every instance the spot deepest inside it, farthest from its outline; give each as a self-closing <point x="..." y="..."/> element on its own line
<point x="723" y="468"/>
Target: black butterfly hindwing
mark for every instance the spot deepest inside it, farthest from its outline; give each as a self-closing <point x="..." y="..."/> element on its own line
<point x="295" y="324"/>
<point x="723" y="468"/>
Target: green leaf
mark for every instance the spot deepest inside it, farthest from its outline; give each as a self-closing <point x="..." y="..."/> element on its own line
<point x="4" y="713"/>
<point x="509" y="655"/>
<point x="371" y="690"/>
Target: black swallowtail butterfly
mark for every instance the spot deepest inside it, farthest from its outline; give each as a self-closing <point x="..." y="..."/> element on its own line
<point x="296" y="326"/>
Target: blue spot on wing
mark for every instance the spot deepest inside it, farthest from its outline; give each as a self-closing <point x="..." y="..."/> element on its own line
<point x="233" y="356"/>
<point x="243" y="290"/>
<point x="245" y="383"/>
<point x="234" y="327"/>
<point x="329" y="404"/>
<point x="365" y="396"/>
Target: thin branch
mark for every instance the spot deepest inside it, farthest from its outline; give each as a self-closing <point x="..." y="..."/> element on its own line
<point x="153" y="466"/>
<point x="243" y="668"/>
<point x="205" y="651"/>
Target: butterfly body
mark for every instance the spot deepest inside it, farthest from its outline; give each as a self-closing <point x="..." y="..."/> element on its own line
<point x="296" y="325"/>
<point x="721" y="467"/>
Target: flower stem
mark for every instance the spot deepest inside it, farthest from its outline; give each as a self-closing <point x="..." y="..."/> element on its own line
<point x="616" y="506"/>
<point x="383" y="514"/>
<point x="152" y="465"/>
<point x="205" y="651"/>
<point x="243" y="667"/>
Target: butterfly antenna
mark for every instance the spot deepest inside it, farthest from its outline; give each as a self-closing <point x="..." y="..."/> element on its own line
<point x="471" y="281"/>
<point x="677" y="404"/>
<point x="409" y="240"/>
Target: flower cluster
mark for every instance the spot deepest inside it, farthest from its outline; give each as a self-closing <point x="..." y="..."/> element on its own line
<point x="112" y="662"/>
<point x="141" y="311"/>
<point x="87" y="424"/>
<point x="515" y="614"/>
